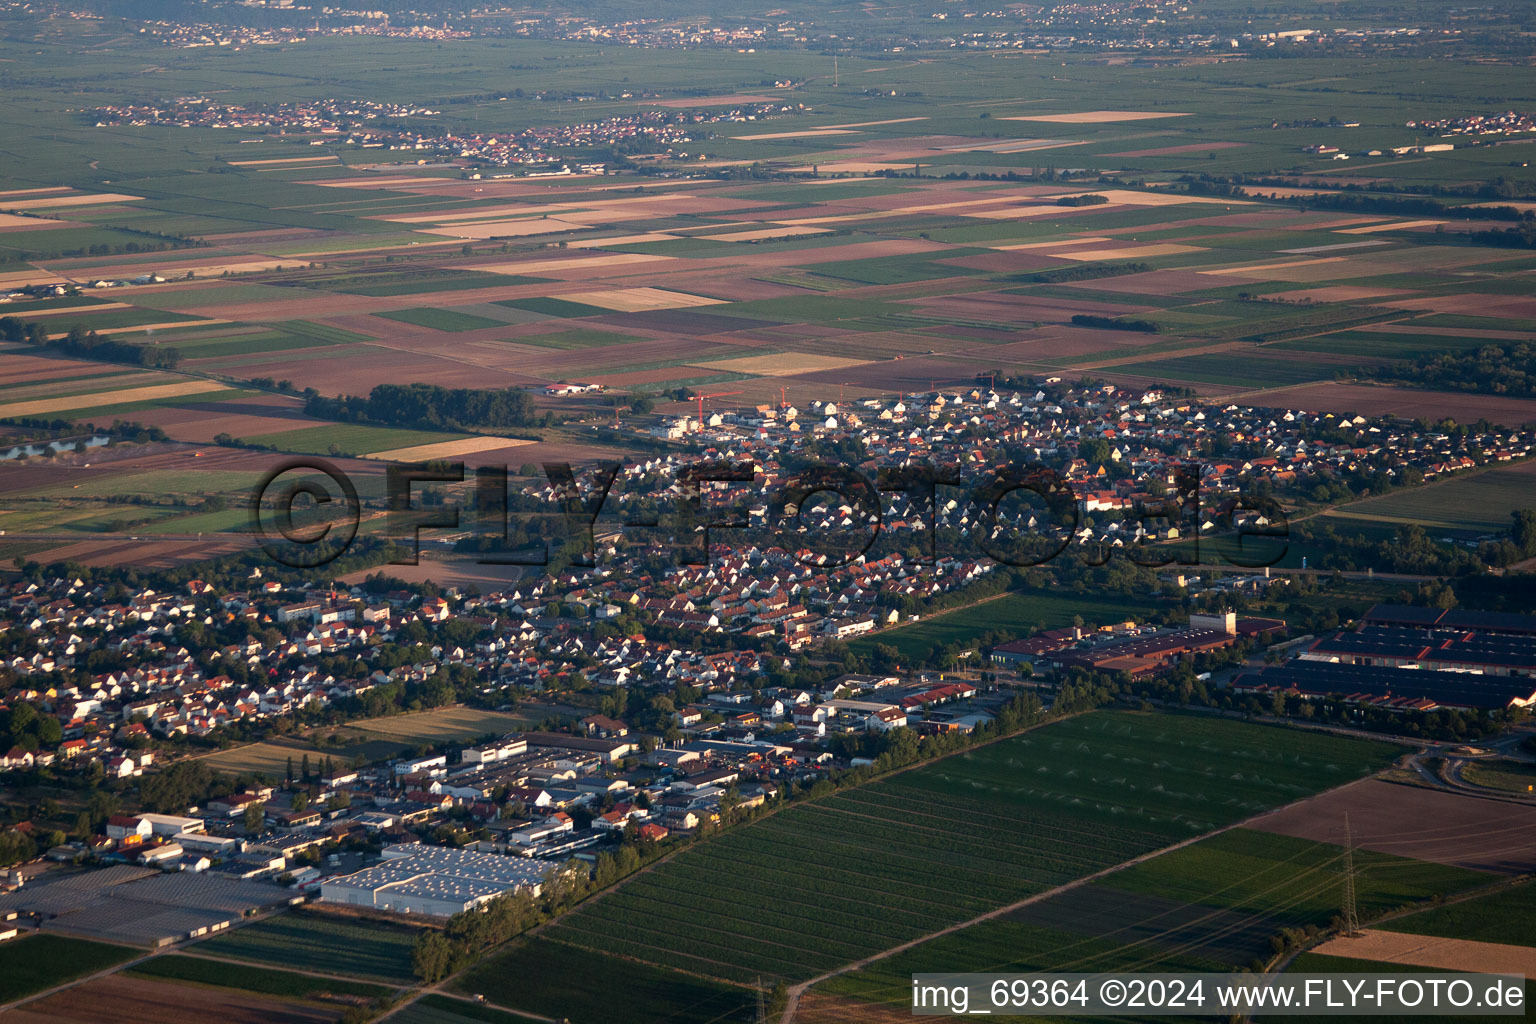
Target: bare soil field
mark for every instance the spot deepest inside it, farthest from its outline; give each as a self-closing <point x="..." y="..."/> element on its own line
<point x="1004" y="262"/>
<point x="249" y="416"/>
<point x="1413" y="821"/>
<point x="818" y="1008"/>
<point x="19" y="369"/>
<point x="470" y="446"/>
<point x="1433" y="951"/>
<point x="1336" y="293"/>
<point x="1473" y="304"/>
<point x="1409" y="403"/>
<point x="783" y="364"/>
<point x="660" y="375"/>
<point x="14" y="222"/>
<point x="356" y="372"/>
<point x="43" y="406"/>
<point x="156" y="554"/>
<point x="129" y="1000"/>
<point x="454" y="573"/>
<point x="1059" y="342"/>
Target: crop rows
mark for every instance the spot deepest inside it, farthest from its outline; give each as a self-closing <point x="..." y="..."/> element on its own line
<point x="826" y="883"/>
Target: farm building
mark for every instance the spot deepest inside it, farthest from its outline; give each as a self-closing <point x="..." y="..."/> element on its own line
<point x="434" y="881"/>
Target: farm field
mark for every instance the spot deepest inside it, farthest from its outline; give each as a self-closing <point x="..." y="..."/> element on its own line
<point x="1479" y="502"/>
<point x="1012" y="611"/>
<point x="36" y="962"/>
<point x="223" y="974"/>
<point x="375" y="739"/>
<point x="1210" y="906"/>
<point x="440" y="724"/>
<point x="1501" y="916"/>
<point x="340" y="275"/>
<point x="366" y="949"/>
<point x="566" y="986"/>
<point x="1053" y="804"/>
<point x="136" y="1000"/>
<point x="441" y="319"/>
<point x="440" y="1009"/>
<point x="1389" y="817"/>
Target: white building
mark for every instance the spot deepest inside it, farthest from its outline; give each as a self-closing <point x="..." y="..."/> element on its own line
<point x="434" y="881"/>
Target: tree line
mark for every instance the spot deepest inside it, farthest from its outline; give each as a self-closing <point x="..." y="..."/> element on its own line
<point x="90" y="345"/>
<point x="428" y="406"/>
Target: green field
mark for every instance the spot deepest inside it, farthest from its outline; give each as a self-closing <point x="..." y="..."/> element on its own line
<point x="1023" y="613"/>
<point x="349" y="439"/>
<point x="1006" y="821"/>
<point x="1294" y="881"/>
<point x="1511" y="776"/>
<point x="1507" y="915"/>
<point x="374" y="739"/>
<point x="1478" y="501"/>
<point x="363" y="948"/>
<point x="33" y="963"/>
<point x="556" y="307"/>
<point x="1211" y="906"/>
<point x="441" y="319"/>
<point x="222" y="974"/>
<point x="557" y="980"/>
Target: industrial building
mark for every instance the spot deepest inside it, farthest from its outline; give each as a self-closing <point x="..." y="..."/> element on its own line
<point x="1456" y="619"/>
<point x="141" y="906"/>
<point x="1445" y="650"/>
<point x="1402" y="689"/>
<point x="434" y="881"/>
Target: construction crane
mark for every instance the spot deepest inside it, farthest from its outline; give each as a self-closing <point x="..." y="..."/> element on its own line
<point x="717" y="394"/>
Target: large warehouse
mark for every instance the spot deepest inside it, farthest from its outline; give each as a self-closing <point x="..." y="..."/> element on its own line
<point x="434" y="881"/>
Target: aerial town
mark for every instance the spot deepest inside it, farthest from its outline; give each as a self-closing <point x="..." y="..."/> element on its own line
<point x="764" y="513"/>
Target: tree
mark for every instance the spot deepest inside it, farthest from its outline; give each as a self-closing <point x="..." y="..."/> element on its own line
<point x="1523" y="530"/>
<point x="255" y="815"/>
<point x="431" y="957"/>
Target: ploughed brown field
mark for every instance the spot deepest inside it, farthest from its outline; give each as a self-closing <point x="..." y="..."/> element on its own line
<point x="1410" y="403"/>
<point x="1413" y="821"/>
<point x="126" y="1000"/>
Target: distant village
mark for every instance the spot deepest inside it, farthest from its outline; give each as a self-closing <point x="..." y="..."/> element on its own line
<point x="363" y="124"/>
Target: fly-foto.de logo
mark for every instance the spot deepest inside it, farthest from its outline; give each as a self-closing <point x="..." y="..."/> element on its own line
<point x="306" y="512"/>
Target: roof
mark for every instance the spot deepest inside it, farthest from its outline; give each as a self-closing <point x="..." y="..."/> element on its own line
<point x="1449" y="689"/>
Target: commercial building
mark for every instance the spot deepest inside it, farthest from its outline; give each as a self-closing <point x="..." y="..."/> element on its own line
<point x="434" y="881"/>
<point x="1401" y="689"/>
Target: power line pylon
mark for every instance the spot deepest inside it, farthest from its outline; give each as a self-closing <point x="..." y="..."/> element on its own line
<point x="1351" y="917"/>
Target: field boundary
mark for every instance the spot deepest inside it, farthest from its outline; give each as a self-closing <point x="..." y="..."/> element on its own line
<point x="799" y="990"/>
